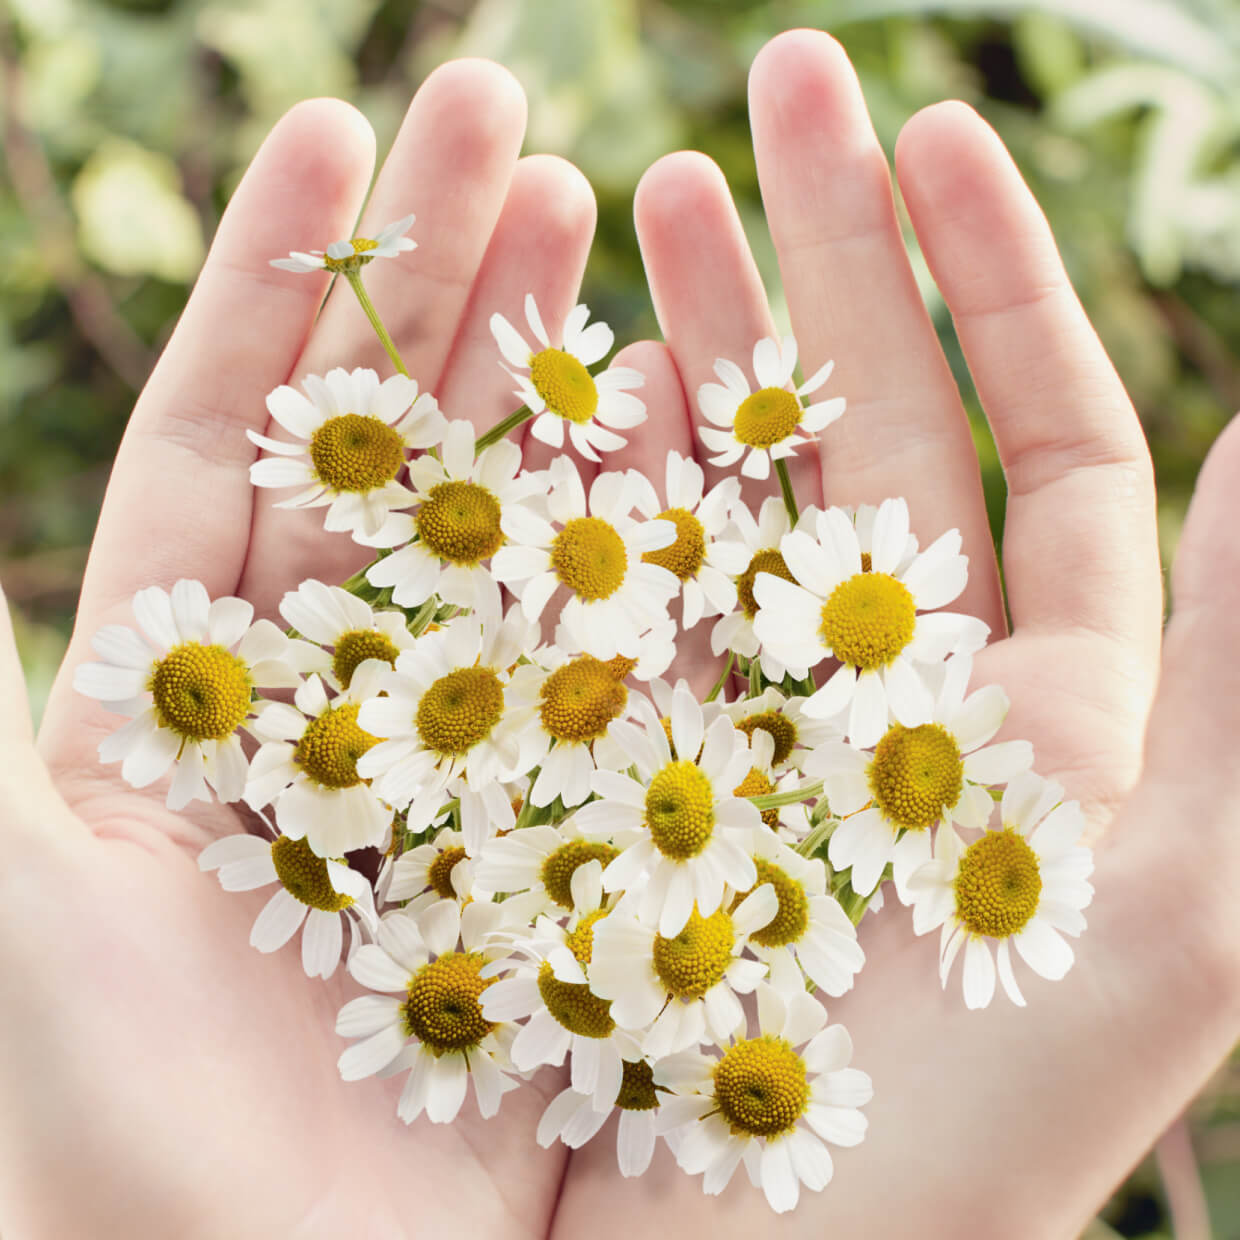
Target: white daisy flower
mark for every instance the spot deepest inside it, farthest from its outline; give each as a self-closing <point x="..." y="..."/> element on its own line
<point x="557" y="387"/>
<point x="307" y="767"/>
<point x="352" y="435"/>
<point x="461" y="502"/>
<point x="794" y="735"/>
<point x="614" y="596"/>
<point x="351" y="255"/>
<point x="1022" y="884"/>
<point x="440" y="867"/>
<point x="316" y="892"/>
<point x="871" y="622"/>
<point x="427" y="1016"/>
<point x="770" y="421"/>
<point x="187" y="681"/>
<point x="939" y="771"/>
<point x="697" y="832"/>
<point x="766" y="1102"/>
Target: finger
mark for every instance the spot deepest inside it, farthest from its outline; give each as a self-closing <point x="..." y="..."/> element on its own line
<point x="853" y="298"/>
<point x="1080" y="546"/>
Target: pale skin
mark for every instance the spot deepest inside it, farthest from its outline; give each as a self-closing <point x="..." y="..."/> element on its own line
<point x="160" y="1078"/>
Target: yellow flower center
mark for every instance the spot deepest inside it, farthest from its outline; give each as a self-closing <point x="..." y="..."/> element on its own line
<point x="331" y="745"/>
<point x="356" y="452"/>
<point x="620" y="666"/>
<point x="782" y="731"/>
<point x="766" y="417"/>
<point x="355" y="647"/>
<point x="560" y="866"/>
<point x="767" y="560"/>
<point x="998" y="884"/>
<point x="202" y="693"/>
<point x="304" y="875"/>
<point x="351" y="262"/>
<point x="868" y="620"/>
<point x="588" y="556"/>
<point x="680" y="810"/>
<point x="792" y="920"/>
<point x="580" y="699"/>
<point x="915" y="774"/>
<point x="687" y="554"/>
<point x="761" y="1087"/>
<point x="637" y="1087"/>
<point x="695" y="960"/>
<point x="441" y="1008"/>
<point x="564" y="384"/>
<point x="575" y="1005"/>
<point x="756" y="784"/>
<point x="460" y="709"/>
<point x="459" y="522"/>
<point x="581" y="941"/>
<point x="439" y="872"/>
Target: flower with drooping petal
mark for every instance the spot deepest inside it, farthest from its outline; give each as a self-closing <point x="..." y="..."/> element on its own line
<point x="352" y="255"/>
<point x="439" y="867"/>
<point x="794" y="735"/>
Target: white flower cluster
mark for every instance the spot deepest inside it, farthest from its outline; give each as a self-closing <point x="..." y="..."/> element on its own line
<point x="585" y="865"/>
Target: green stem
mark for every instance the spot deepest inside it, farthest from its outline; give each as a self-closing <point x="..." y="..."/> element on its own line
<point x="785" y="488"/>
<point x="355" y="282"/>
<point x="500" y="429"/>
<point x="723" y="677"/>
<point x="794" y="796"/>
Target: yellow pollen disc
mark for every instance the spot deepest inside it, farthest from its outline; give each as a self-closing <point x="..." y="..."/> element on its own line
<point x="680" y="810"/>
<point x="355" y="647"/>
<point x="575" y="1005"/>
<point x="619" y="666"/>
<point x="356" y="452"/>
<point x="868" y="620"/>
<point x="201" y="693"/>
<point x="331" y="745"/>
<point x="460" y="709"/>
<point x="589" y="557"/>
<point x="915" y="774"/>
<point x="441" y="1008"/>
<point x="756" y="784"/>
<point x="782" y="731"/>
<point x="351" y="262"/>
<point x="792" y="920"/>
<point x="304" y="875"/>
<point x="459" y="522"/>
<point x="560" y="866"/>
<point x="637" y="1088"/>
<point x="998" y="884"/>
<point x="687" y="554"/>
<point x="580" y="699"/>
<point x="564" y="384"/>
<point x="695" y="960"/>
<point x="766" y="417"/>
<point x="766" y="561"/>
<point x="581" y="941"/>
<point x="761" y="1087"/>
<point x="439" y="872"/>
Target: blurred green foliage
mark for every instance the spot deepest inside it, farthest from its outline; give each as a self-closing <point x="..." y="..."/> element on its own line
<point x="126" y="123"/>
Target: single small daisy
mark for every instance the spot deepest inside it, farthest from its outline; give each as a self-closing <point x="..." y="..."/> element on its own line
<point x="315" y="892"/>
<point x="766" y="1102"/>
<point x="871" y="620"/>
<point x="614" y="595"/>
<point x="766" y="423"/>
<point x="560" y="391"/>
<point x="794" y="735"/>
<point x="457" y="526"/>
<point x="440" y="866"/>
<point x="696" y="831"/>
<point x="427" y="1015"/>
<point x="187" y="681"/>
<point x="1022" y="884"/>
<point x="940" y="771"/>
<point x="352" y="434"/>
<point x="344" y="256"/>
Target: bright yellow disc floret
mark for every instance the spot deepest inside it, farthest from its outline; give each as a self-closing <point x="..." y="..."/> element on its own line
<point x="687" y="554"/>
<point x="766" y="417"/>
<point x="761" y="1087"/>
<point x="868" y="620"/>
<point x="331" y="745"/>
<point x="580" y="698"/>
<point x="694" y="960"/>
<point x="202" y="693"/>
<point x="442" y="1008"/>
<point x="680" y="810"/>
<point x="768" y="560"/>
<point x="792" y="920"/>
<point x="356" y="452"/>
<point x="575" y="1006"/>
<point x="558" y="869"/>
<point x="756" y="784"/>
<point x="460" y="709"/>
<point x="304" y="875"/>
<point x="998" y="884"/>
<point x="566" y="386"/>
<point x="916" y="774"/>
<point x="439" y="872"/>
<point x="781" y="729"/>
<point x="460" y="522"/>
<point x="355" y="647"/>
<point x="588" y="556"/>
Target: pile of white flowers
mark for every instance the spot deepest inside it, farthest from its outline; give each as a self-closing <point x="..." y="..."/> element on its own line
<point x="583" y="858"/>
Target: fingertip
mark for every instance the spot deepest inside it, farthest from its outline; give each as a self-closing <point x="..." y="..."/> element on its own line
<point x="679" y="186"/>
<point x="565" y="195"/>
<point x="484" y="94"/>
<point x="945" y="150"/>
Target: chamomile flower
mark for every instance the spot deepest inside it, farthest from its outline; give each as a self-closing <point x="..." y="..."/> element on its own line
<point x="187" y="681"/>
<point x="614" y="596"/>
<point x="696" y="831"/>
<point x="870" y="621"/>
<point x="937" y="772"/>
<point x="352" y="434"/>
<point x="427" y="1016"/>
<point x="769" y="422"/>
<point x="440" y="866"/>
<point x="461" y="503"/>
<point x="766" y="1102"/>
<point x="1022" y="884"/>
<point x="794" y="735"/>
<point x="344" y="256"/>
<point x="307" y="767"/>
<point x="557" y="386"/>
<point x="316" y="895"/>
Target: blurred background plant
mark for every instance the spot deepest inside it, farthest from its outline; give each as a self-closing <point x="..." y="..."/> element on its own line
<point x="126" y="124"/>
